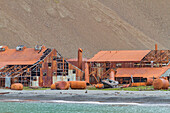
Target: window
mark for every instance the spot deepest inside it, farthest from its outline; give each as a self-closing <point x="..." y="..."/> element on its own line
<point x="28" y="73"/>
<point x="20" y="47"/>
<point x="74" y="71"/>
<point x="49" y="64"/>
<point x="54" y="58"/>
<point x="64" y="73"/>
<point x="54" y="73"/>
<point x="44" y="74"/>
<point x="118" y="65"/>
<point x="34" y="78"/>
<point x="2" y="49"/>
<point x="40" y="65"/>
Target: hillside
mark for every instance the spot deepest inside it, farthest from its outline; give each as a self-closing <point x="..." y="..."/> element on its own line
<point x="152" y="17"/>
<point x="69" y="24"/>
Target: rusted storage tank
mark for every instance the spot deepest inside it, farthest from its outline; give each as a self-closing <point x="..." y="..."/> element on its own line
<point x="62" y="85"/>
<point x="53" y="86"/>
<point x="99" y="86"/>
<point x="78" y="84"/>
<point x="17" y="86"/>
<point x="138" y="84"/>
<point x="149" y="81"/>
<point x="160" y="83"/>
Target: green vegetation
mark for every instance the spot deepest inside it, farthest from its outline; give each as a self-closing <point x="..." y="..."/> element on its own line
<point x="28" y="88"/>
<point x="56" y="1"/>
<point x="139" y="88"/>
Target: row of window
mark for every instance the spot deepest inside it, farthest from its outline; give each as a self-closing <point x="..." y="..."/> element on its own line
<point x="60" y="73"/>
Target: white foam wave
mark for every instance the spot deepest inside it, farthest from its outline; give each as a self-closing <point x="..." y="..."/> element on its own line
<point x="83" y="102"/>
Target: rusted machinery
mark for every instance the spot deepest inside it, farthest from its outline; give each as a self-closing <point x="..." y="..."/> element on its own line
<point x="78" y="84"/>
<point x="149" y="82"/>
<point x="53" y="86"/>
<point x="99" y="86"/>
<point x="63" y="85"/>
<point x="138" y="84"/>
<point x="160" y="83"/>
<point x="17" y="86"/>
<point x="110" y="83"/>
<point x="60" y="85"/>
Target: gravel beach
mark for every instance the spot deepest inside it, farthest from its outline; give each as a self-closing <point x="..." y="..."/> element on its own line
<point x="145" y="97"/>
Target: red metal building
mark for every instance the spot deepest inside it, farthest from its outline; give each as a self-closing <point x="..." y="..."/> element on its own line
<point x="36" y="67"/>
<point x="126" y="63"/>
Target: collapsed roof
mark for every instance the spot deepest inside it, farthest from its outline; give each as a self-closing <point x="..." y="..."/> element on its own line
<point x="20" y="56"/>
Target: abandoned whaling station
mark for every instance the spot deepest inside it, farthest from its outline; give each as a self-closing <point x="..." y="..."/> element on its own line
<point x="35" y="67"/>
<point x="45" y="67"/>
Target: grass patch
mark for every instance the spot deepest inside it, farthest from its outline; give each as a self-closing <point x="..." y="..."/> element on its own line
<point x="139" y="88"/>
<point x="28" y="88"/>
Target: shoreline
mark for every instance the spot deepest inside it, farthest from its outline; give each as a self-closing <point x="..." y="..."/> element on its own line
<point x="83" y="102"/>
<point x="140" y="97"/>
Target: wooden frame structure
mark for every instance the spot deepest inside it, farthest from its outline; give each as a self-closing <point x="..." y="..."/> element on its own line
<point x="49" y="68"/>
<point x="99" y="70"/>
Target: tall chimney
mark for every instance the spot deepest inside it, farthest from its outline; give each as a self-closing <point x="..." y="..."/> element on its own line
<point x="80" y="58"/>
<point x="156" y="47"/>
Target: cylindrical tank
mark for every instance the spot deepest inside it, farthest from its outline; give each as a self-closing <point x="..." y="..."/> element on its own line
<point x="138" y="84"/>
<point x="78" y="84"/>
<point x="160" y="83"/>
<point x="62" y="85"/>
<point x="17" y="86"/>
<point x="99" y="86"/>
<point x="149" y="81"/>
<point x="53" y="86"/>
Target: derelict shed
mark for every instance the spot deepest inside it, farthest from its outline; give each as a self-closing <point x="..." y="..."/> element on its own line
<point x="15" y="62"/>
<point x="104" y="62"/>
<point x="36" y="67"/>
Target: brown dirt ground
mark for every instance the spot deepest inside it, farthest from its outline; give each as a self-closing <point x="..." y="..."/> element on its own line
<point x="90" y="24"/>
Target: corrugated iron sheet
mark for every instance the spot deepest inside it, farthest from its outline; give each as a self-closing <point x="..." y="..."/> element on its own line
<point x="117" y="56"/>
<point x="141" y="72"/>
<point x="25" y="57"/>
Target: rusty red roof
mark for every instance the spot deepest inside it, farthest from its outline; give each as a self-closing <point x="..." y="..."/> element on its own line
<point x="28" y="56"/>
<point x="141" y="72"/>
<point x="75" y="59"/>
<point x="121" y="55"/>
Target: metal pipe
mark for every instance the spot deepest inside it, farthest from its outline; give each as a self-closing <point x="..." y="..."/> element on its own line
<point x="80" y="58"/>
<point x="156" y="47"/>
<point x="87" y="72"/>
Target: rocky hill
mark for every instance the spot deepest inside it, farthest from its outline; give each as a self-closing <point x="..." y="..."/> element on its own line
<point x="93" y="25"/>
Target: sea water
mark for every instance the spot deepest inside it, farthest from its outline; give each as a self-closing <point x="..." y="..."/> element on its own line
<point x="45" y="107"/>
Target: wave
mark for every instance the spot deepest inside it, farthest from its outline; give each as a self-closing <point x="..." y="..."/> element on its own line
<point x="83" y="102"/>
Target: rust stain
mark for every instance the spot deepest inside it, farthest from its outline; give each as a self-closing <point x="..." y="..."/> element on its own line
<point x="122" y="55"/>
<point x="27" y="56"/>
<point x="141" y="72"/>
